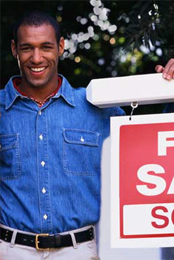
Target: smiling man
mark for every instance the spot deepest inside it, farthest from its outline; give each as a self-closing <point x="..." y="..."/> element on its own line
<point x="50" y="146"/>
<point x="50" y="149"/>
<point x="37" y="51"/>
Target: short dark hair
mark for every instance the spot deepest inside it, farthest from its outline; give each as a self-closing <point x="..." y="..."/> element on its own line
<point x="36" y="18"/>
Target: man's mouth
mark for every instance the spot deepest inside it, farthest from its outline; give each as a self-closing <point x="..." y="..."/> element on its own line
<point x="38" y="69"/>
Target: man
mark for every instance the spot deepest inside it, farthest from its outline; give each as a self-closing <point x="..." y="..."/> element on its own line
<point x="51" y="140"/>
<point x="50" y="147"/>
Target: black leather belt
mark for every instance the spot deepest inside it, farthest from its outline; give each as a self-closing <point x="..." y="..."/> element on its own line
<point x="46" y="241"/>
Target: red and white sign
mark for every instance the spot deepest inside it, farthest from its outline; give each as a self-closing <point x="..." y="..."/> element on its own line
<point x="142" y="181"/>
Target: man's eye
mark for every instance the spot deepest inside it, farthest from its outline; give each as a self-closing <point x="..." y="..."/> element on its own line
<point x="47" y="47"/>
<point x="25" y="48"/>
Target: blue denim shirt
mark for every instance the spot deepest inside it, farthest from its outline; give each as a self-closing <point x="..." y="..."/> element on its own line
<point x="169" y="108"/>
<point x="50" y="160"/>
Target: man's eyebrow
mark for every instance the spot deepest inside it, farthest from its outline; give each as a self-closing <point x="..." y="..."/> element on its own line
<point x="43" y="43"/>
<point x="47" y="43"/>
<point x="24" y="44"/>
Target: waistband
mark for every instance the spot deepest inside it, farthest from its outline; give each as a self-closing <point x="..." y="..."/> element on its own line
<point x="46" y="241"/>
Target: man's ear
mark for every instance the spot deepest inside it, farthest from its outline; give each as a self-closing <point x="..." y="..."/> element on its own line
<point x="61" y="46"/>
<point x="13" y="48"/>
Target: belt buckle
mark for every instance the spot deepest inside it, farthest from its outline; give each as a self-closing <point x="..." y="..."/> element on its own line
<point x="37" y="242"/>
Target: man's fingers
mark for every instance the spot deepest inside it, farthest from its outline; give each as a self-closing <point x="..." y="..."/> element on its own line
<point x="159" y="68"/>
<point x="168" y="72"/>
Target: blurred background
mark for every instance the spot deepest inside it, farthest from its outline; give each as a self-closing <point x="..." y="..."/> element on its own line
<point x="103" y="39"/>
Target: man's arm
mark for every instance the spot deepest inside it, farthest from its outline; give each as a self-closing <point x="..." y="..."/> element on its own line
<point x="168" y="70"/>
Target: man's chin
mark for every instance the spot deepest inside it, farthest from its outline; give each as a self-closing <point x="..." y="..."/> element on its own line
<point x="37" y="84"/>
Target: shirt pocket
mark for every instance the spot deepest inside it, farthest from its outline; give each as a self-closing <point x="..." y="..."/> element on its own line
<point x="81" y="152"/>
<point x="10" y="166"/>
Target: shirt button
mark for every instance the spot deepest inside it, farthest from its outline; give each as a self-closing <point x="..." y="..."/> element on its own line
<point x="43" y="190"/>
<point x="82" y="139"/>
<point x="43" y="163"/>
<point x="41" y="137"/>
<point x="40" y="112"/>
<point x="45" y="216"/>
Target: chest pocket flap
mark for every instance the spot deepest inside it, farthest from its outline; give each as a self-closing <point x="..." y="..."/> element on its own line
<point x="81" y="137"/>
<point x="8" y="142"/>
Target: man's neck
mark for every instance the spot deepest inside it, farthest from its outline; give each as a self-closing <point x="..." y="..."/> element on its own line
<point x="40" y="93"/>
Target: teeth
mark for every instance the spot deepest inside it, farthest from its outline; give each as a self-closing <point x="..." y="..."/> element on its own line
<point x="37" y="69"/>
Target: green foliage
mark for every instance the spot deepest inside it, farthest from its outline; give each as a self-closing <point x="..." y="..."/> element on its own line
<point x="103" y="38"/>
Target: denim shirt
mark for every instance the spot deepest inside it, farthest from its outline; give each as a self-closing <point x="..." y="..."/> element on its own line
<point x="169" y="108"/>
<point x="50" y="160"/>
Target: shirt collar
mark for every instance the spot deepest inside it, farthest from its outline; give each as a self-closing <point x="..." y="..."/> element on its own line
<point x="11" y="93"/>
<point x="66" y="91"/>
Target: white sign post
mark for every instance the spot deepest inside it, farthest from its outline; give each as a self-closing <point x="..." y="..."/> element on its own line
<point x="137" y="170"/>
<point x="122" y="91"/>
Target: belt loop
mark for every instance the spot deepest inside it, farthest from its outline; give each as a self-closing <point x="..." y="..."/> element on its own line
<point x="95" y="236"/>
<point x="73" y="240"/>
<point x="12" y="243"/>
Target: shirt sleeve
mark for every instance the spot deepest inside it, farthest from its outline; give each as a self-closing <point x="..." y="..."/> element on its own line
<point x="169" y="108"/>
<point x="115" y="111"/>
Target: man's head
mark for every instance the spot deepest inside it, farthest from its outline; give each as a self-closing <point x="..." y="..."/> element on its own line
<point x="36" y="18"/>
<point x="37" y="45"/>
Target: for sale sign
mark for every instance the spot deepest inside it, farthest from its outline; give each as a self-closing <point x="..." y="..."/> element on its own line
<point x="142" y="181"/>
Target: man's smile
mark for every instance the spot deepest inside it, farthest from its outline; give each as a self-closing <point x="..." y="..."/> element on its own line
<point x="38" y="69"/>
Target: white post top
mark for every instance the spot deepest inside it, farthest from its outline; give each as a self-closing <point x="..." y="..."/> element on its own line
<point x="122" y="91"/>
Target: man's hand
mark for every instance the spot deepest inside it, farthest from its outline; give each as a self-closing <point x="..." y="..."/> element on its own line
<point x="168" y="70"/>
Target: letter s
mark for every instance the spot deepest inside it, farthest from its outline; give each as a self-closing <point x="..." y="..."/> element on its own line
<point x="159" y="182"/>
<point x="158" y="216"/>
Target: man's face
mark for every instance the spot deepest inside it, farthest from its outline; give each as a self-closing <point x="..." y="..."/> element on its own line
<point x="37" y="52"/>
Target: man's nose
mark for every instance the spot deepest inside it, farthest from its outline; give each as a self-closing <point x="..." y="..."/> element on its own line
<point x="36" y="56"/>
